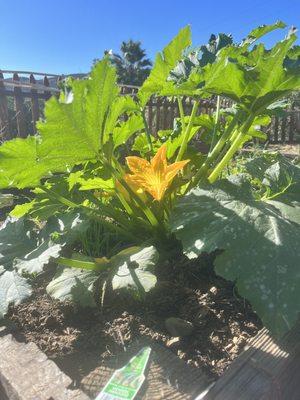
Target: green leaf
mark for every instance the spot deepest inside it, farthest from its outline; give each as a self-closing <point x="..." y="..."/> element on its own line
<point x="126" y="129"/>
<point x="260" y="31"/>
<point x="89" y="183"/>
<point x="121" y="105"/>
<point x="22" y="209"/>
<point x="20" y="165"/>
<point x="75" y="285"/>
<point x="26" y="249"/>
<point x="261" y="248"/>
<point x="283" y="177"/>
<point x="164" y="63"/>
<point x="19" y="251"/>
<point x="254" y="78"/>
<point x="72" y="131"/>
<point x="133" y="269"/>
<point x="13" y="290"/>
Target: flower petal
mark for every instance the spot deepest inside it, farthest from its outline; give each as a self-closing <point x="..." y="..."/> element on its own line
<point x="173" y="169"/>
<point x="159" y="161"/>
<point x="137" y="165"/>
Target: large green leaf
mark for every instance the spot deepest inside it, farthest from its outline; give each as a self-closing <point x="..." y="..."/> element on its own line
<point x="261" y="248"/>
<point x="13" y="290"/>
<point x="254" y="78"/>
<point x="73" y="284"/>
<point x="280" y="180"/>
<point x="25" y="249"/>
<point x="126" y="129"/>
<point x="72" y="130"/>
<point x="133" y="269"/>
<point x="20" y="165"/>
<point x="164" y="63"/>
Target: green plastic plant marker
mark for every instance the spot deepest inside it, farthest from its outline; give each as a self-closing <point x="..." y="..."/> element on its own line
<point x="127" y="381"/>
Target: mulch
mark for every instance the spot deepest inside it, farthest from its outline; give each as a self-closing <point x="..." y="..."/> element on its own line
<point x="80" y="341"/>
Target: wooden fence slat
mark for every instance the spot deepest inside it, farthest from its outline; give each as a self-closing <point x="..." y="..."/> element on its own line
<point x="291" y="125"/>
<point x="34" y="104"/>
<point x="4" y="117"/>
<point x="157" y="119"/>
<point x="47" y="84"/>
<point x="19" y="108"/>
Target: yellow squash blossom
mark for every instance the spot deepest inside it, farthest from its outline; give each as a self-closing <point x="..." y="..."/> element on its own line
<point x="133" y="185"/>
<point x="155" y="176"/>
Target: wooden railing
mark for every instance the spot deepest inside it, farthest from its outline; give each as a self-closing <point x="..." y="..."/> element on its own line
<point x="22" y="104"/>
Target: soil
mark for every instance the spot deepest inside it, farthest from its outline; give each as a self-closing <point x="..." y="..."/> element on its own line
<point x="79" y="340"/>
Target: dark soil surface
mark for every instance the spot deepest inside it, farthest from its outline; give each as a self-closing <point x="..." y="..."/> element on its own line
<point x="79" y="340"/>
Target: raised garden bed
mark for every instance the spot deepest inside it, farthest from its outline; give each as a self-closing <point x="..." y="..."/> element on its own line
<point x="81" y="340"/>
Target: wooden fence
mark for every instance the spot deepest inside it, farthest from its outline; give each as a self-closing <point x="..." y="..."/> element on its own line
<point x="23" y="95"/>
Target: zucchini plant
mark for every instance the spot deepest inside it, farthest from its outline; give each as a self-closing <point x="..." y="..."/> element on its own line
<point x="94" y="159"/>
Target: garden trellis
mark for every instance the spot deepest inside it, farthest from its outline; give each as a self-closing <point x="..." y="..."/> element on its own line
<point x="23" y="94"/>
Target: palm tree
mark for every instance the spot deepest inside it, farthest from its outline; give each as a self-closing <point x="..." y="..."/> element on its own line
<point x="132" y="65"/>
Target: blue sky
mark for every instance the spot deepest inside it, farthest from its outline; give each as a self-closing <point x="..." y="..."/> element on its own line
<point x="63" y="36"/>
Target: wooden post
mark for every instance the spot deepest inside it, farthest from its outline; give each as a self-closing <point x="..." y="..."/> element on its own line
<point x="19" y="108"/>
<point x="47" y="92"/>
<point x="165" y="108"/>
<point x="274" y="137"/>
<point x="283" y="128"/>
<point x="4" y="117"/>
<point x="157" y="115"/>
<point x="150" y="115"/>
<point x="292" y="127"/>
<point x="34" y="104"/>
<point x="172" y="113"/>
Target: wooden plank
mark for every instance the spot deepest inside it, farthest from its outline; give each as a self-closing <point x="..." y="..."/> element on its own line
<point x="283" y="128"/>
<point x="4" y="117"/>
<point x="291" y="126"/>
<point x="25" y="95"/>
<point x="157" y="115"/>
<point x="257" y="373"/>
<point x="27" y="374"/>
<point x="167" y="376"/>
<point x="34" y="104"/>
<point x="165" y="124"/>
<point x="47" y="92"/>
<point x="27" y="86"/>
<point x="19" y="109"/>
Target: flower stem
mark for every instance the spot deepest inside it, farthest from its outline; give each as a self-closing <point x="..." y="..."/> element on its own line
<point x="187" y="131"/>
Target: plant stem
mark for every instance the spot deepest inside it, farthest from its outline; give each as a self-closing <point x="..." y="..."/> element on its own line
<point x="91" y="213"/>
<point x="187" y="131"/>
<point x="147" y="130"/>
<point x="201" y="174"/>
<point x="231" y="151"/>
<point x="217" y="116"/>
<point x="181" y="113"/>
<point x="101" y="265"/>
